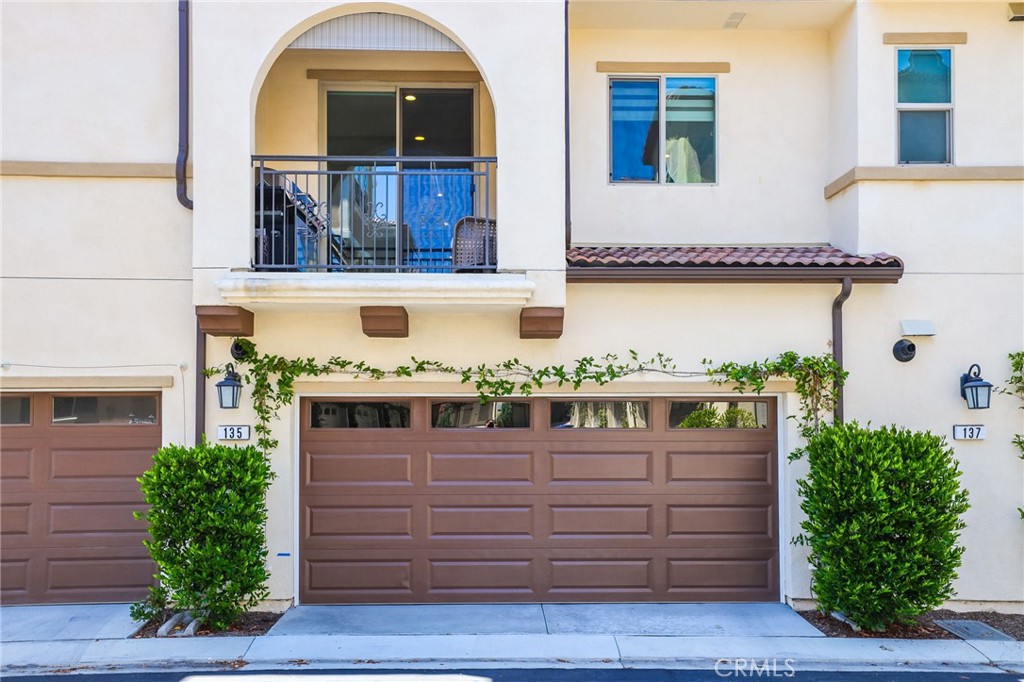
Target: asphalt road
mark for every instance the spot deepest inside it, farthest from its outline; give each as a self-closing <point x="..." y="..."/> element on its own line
<point x="781" y="673"/>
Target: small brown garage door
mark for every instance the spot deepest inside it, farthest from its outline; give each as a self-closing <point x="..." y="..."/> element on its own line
<point x="67" y="481"/>
<point x="431" y="500"/>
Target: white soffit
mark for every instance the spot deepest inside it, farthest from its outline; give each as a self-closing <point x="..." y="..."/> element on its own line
<point x="760" y="15"/>
<point x="375" y="31"/>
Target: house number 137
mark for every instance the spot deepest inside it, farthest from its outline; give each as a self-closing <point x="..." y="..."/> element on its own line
<point x="969" y="432"/>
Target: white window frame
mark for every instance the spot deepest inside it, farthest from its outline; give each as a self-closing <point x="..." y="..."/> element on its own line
<point x="661" y="173"/>
<point x="924" y="106"/>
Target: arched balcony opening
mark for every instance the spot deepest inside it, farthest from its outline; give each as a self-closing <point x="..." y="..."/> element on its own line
<point x="375" y="152"/>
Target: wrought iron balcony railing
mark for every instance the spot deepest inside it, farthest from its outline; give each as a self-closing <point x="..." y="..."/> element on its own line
<point x="374" y="214"/>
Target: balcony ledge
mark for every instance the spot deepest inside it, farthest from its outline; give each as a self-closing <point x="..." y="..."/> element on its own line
<point x="266" y="290"/>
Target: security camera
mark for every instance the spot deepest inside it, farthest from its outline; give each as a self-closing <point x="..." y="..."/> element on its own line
<point x="238" y="350"/>
<point x="904" y="350"/>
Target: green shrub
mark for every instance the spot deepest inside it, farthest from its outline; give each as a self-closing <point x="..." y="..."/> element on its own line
<point x="207" y="521"/>
<point x="738" y="418"/>
<point x="883" y="519"/>
<point x="702" y="418"/>
<point x="708" y="417"/>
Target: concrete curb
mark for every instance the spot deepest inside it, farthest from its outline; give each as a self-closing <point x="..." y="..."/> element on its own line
<point x="508" y="651"/>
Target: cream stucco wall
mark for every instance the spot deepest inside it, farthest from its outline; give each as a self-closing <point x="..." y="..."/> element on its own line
<point x="772" y="121"/>
<point x="98" y="273"/>
<point x="512" y="45"/>
<point x="979" y="319"/>
<point x="937" y="226"/>
<point x="843" y="111"/>
<point x="988" y="72"/>
<point x="687" y="323"/>
<point x="70" y="93"/>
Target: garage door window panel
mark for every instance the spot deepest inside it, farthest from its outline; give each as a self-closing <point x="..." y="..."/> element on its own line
<point x="15" y="410"/>
<point x="472" y="414"/>
<point x="105" y="410"/>
<point x="718" y="414"/>
<point x="360" y="415"/>
<point x="600" y="414"/>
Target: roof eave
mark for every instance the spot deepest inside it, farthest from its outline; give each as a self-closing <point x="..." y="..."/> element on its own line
<point x="789" y="274"/>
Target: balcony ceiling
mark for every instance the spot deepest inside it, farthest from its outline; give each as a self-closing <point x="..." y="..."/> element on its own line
<point x="760" y="15"/>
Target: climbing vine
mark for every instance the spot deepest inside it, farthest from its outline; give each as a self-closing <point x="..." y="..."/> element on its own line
<point x="272" y="378"/>
<point x="818" y="378"/>
<point x="1015" y="387"/>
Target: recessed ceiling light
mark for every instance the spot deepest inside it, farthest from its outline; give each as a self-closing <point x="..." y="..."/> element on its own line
<point x="419" y="138"/>
<point x="734" y="20"/>
<point x="410" y="98"/>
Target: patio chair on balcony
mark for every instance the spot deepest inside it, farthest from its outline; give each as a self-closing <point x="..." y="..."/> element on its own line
<point x="474" y="245"/>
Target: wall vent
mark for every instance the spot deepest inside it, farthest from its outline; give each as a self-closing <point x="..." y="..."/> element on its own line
<point x="375" y="31"/>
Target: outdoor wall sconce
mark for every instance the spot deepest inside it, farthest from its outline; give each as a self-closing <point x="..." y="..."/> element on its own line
<point x="229" y="390"/>
<point x="975" y="390"/>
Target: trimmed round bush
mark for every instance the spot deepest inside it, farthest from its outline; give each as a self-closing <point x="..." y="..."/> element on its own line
<point x="207" y="520"/>
<point x="883" y="513"/>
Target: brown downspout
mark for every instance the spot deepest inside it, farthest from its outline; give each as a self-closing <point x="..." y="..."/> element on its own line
<point x="837" y="338"/>
<point x="568" y="207"/>
<point x="183" y="105"/>
<point x="200" y="383"/>
<point x="181" y="186"/>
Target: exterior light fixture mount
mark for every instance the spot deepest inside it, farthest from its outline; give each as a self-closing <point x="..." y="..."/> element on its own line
<point x="974" y="389"/>
<point x="904" y="350"/>
<point x="229" y="390"/>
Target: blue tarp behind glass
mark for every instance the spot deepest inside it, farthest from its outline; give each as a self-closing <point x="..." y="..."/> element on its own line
<point x="634" y="116"/>
<point x="433" y="203"/>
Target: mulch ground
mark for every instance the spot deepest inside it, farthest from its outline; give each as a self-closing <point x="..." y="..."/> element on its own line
<point x="250" y="624"/>
<point x="1010" y="623"/>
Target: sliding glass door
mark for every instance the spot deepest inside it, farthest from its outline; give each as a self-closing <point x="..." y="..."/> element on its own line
<point x="394" y="214"/>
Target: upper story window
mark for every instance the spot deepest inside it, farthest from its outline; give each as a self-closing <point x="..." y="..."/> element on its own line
<point x="663" y="130"/>
<point x="924" y="105"/>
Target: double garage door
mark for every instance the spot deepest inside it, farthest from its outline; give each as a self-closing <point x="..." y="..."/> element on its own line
<point x="68" y="465"/>
<point x="428" y="500"/>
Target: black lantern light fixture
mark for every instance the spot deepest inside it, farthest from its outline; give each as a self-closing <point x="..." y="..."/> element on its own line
<point x="975" y="390"/>
<point x="229" y="390"/>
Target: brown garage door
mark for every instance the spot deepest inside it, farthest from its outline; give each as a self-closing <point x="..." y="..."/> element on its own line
<point x="68" y="488"/>
<point x="427" y="500"/>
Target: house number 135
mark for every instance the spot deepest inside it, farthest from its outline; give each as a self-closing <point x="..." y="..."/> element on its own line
<point x="233" y="432"/>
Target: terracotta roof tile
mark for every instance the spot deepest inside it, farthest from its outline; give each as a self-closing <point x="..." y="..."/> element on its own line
<point x="723" y="256"/>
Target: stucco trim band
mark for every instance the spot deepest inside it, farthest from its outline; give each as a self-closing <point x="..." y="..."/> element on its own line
<point x="262" y="289"/>
<point x="393" y="76"/>
<point x="86" y="382"/>
<point x="790" y="274"/>
<point x="923" y="173"/>
<point x="83" y="169"/>
<point x="952" y="38"/>
<point x="663" y="67"/>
